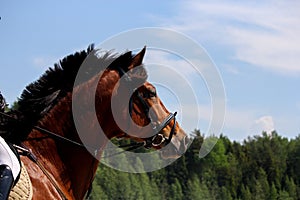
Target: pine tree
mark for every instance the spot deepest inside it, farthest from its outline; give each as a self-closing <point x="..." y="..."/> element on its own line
<point x="259" y="193"/>
<point x="273" y="193"/>
<point x="197" y="190"/>
<point x="98" y="193"/>
<point x="224" y="194"/>
<point x="176" y="191"/>
<point x="291" y="187"/>
<point x="204" y="192"/>
<point x="262" y="179"/>
<point x="245" y="193"/>
<point x="284" y="195"/>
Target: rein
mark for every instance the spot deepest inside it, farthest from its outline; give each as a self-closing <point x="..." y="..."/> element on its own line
<point x="59" y="137"/>
<point x="50" y="133"/>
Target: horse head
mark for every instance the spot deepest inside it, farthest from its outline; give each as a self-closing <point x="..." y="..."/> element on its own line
<point x="141" y="114"/>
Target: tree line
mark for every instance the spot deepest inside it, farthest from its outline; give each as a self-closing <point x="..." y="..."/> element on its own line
<point x="260" y="167"/>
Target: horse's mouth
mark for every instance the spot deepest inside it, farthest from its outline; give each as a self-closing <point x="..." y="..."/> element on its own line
<point x="176" y="148"/>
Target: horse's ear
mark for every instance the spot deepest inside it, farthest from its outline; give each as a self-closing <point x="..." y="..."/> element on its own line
<point x="138" y="73"/>
<point x="137" y="60"/>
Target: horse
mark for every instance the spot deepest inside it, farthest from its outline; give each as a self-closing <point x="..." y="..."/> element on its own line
<point x="59" y="165"/>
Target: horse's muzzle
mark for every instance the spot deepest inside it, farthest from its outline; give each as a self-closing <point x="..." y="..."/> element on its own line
<point x="176" y="148"/>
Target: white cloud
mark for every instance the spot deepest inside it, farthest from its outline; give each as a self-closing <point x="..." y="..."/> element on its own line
<point x="241" y="123"/>
<point x="264" y="123"/>
<point x="265" y="34"/>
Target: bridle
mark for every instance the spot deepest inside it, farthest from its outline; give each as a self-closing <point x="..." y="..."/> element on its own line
<point x="157" y="139"/>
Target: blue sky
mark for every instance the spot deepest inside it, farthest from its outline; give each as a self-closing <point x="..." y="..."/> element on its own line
<point x="254" y="44"/>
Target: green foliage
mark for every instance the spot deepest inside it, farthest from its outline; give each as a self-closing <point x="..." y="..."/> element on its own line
<point x="194" y="188"/>
<point x="176" y="190"/>
<point x="245" y="193"/>
<point x="273" y="192"/>
<point x="262" y="167"/>
<point x="291" y="187"/>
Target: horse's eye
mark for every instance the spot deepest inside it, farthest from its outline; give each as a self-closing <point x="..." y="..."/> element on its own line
<point x="149" y="93"/>
<point x="152" y="93"/>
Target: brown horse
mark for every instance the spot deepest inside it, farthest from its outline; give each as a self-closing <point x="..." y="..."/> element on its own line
<point x="62" y="167"/>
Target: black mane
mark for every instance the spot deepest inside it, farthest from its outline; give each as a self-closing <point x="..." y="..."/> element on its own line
<point x="40" y="96"/>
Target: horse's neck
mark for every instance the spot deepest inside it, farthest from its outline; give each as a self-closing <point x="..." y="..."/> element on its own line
<point x="73" y="167"/>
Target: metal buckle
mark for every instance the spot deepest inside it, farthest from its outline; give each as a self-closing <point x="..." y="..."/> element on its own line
<point x="158" y="140"/>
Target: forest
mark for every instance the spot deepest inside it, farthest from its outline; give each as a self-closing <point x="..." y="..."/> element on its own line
<point x="260" y="167"/>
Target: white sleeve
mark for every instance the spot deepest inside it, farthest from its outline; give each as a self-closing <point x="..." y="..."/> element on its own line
<point x="7" y="157"/>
